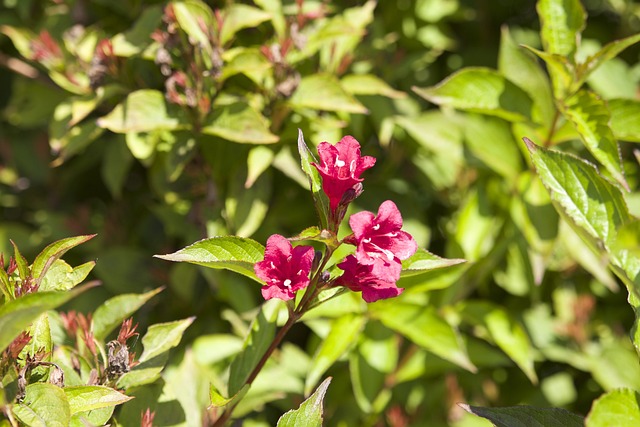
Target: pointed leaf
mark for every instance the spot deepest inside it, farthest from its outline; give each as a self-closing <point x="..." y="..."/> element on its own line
<point x="21" y="262"/>
<point x="162" y="337"/>
<point x="324" y="92"/>
<point x="343" y="334"/>
<point x="239" y="122"/>
<point x="426" y="328"/>
<point x="561" y="23"/>
<point x="560" y="69"/>
<point x="310" y="412"/>
<point x="480" y="90"/>
<point x="61" y="276"/>
<point x="196" y="19"/>
<point x="16" y="315"/>
<point x="423" y="261"/>
<point x="618" y="408"/>
<point x="320" y="200"/>
<point x="590" y="116"/>
<point x="526" y="416"/>
<point x="229" y="252"/>
<point x="90" y="397"/>
<point x="53" y="252"/>
<point x="238" y="16"/>
<point x="114" y="311"/>
<point x="624" y="119"/>
<point x="368" y="84"/>
<point x="610" y="51"/>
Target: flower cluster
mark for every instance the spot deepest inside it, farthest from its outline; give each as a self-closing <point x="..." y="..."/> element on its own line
<point x="380" y="243"/>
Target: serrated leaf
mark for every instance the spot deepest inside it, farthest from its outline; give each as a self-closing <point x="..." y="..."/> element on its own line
<point x="424" y="261"/>
<point x="238" y="16"/>
<point x="425" y="327"/>
<point x="44" y="405"/>
<point x="590" y="116"/>
<point x="239" y="122"/>
<point x="16" y="315"/>
<point x="324" y="92"/>
<point x="162" y="337"/>
<point x="561" y="23"/>
<point x="21" y="262"/>
<point x="256" y="343"/>
<point x="624" y="119"/>
<point x="526" y="416"/>
<point x="480" y="90"/>
<point x="90" y="397"/>
<point x="320" y="199"/>
<point x="608" y="52"/>
<point x="343" y="333"/>
<point x="228" y="252"/>
<point x="310" y="412"/>
<point x="144" y="110"/>
<point x="618" y="408"/>
<point x="53" y="252"/>
<point x="110" y="314"/>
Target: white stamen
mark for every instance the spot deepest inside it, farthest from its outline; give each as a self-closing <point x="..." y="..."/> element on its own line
<point x="299" y="272"/>
<point x="287" y="283"/>
<point x="376" y="227"/>
<point x="352" y="166"/>
<point x="367" y="240"/>
<point x="339" y="163"/>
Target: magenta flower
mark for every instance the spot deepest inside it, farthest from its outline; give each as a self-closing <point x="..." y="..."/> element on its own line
<point x="380" y="237"/>
<point x="370" y="279"/>
<point x="340" y="167"/>
<point x="284" y="269"/>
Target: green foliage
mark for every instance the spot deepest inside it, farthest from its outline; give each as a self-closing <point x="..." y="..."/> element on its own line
<point x="158" y="124"/>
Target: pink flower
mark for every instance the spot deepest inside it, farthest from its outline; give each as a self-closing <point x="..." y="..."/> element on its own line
<point x="340" y="167"/>
<point x="284" y="269"/>
<point x="380" y="237"/>
<point x="370" y="279"/>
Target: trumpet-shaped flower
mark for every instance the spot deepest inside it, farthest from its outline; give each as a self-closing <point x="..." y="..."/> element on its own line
<point x="340" y="167"/>
<point x="380" y="237"/>
<point x="285" y="269"/>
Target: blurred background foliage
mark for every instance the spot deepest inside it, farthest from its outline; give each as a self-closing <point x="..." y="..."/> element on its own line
<point x="157" y="126"/>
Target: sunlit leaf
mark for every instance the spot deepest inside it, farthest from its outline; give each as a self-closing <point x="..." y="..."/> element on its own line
<point x="324" y="92"/>
<point x="561" y="23"/>
<point x="618" y="408"/>
<point x="238" y="122"/>
<point x="526" y="416"/>
<point x="310" y="413"/>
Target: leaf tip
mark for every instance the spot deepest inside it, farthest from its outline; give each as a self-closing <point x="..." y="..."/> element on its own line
<point x="531" y="146"/>
<point x="465" y="406"/>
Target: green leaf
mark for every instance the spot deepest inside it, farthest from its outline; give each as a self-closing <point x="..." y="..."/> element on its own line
<point x="116" y="164"/>
<point x="53" y="252"/>
<point x="324" y="92"/>
<point x="480" y="90"/>
<point x="90" y="397"/>
<point x="520" y="67"/>
<point x="590" y="203"/>
<point x="21" y="263"/>
<point x="425" y="327"/>
<point x="618" y="408"/>
<point x="320" y="200"/>
<point x="162" y="337"/>
<point x="144" y="110"/>
<point x="61" y="276"/>
<point x="239" y="122"/>
<point x="624" y="119"/>
<point x="110" y="314"/>
<point x="561" y="70"/>
<point x="590" y="117"/>
<point x="368" y="84"/>
<point x="608" y="52"/>
<point x="256" y="343"/>
<point x="258" y="161"/>
<point x="40" y="332"/>
<point x="343" y="333"/>
<point x="504" y="331"/>
<point x="424" y="261"/>
<point x="561" y="23"/>
<point x="246" y="208"/>
<point x="490" y="139"/>
<point x="44" y="405"/>
<point x="526" y="416"/>
<point x="136" y="39"/>
<point x="228" y="252"/>
<point x="238" y="16"/>
<point x="197" y="20"/>
<point x="310" y="412"/>
<point x="16" y="315"/>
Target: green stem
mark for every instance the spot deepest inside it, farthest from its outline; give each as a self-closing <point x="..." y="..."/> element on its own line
<point x="552" y="129"/>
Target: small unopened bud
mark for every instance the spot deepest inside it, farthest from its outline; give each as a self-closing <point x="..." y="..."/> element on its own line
<point x="316" y="260"/>
<point x="351" y="194"/>
<point x="56" y="377"/>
